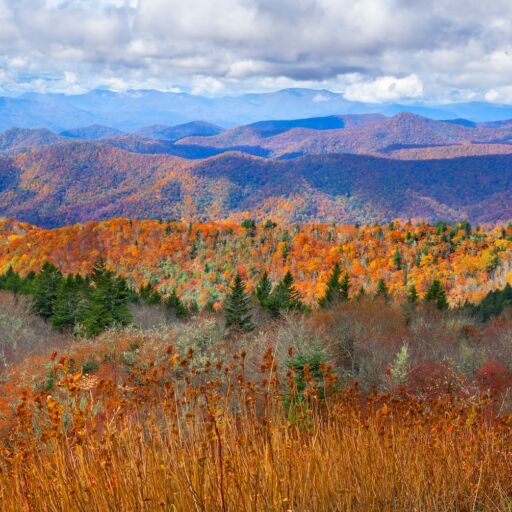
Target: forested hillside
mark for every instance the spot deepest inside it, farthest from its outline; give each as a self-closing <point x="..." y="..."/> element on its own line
<point x="200" y="260"/>
<point x="82" y="181"/>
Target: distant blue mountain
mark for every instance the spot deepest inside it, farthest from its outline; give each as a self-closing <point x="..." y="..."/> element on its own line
<point x="93" y="132"/>
<point x="132" y="110"/>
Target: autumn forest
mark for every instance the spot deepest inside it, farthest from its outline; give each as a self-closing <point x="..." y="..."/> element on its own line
<point x="296" y="315"/>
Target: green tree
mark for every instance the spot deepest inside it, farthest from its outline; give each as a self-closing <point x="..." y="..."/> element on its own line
<point x="237" y="310"/>
<point x="149" y="295"/>
<point x="382" y="289"/>
<point x="337" y="289"/>
<point x="108" y="301"/>
<point x="263" y="289"/>
<point x="284" y="297"/>
<point x="437" y="295"/>
<point x="45" y="288"/>
<point x="11" y="281"/>
<point x="175" y="304"/>
<point x="68" y="304"/>
<point x="250" y="226"/>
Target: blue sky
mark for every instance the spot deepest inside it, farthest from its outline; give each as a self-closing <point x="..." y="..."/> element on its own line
<point x="371" y="50"/>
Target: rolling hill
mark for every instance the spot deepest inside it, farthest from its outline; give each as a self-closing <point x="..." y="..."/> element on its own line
<point x="375" y="135"/>
<point x="174" y="133"/>
<point x="82" y="181"/>
<point x="93" y="132"/>
<point x="17" y="140"/>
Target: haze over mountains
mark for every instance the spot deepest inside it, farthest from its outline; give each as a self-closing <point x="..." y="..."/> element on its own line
<point x="131" y="110"/>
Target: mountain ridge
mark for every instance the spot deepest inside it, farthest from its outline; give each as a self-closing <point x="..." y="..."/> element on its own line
<point x="131" y="110"/>
<point x="83" y="181"/>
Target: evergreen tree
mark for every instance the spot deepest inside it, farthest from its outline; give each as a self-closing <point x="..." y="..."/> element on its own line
<point x="67" y="307"/>
<point x="345" y="287"/>
<point x="382" y="289"/>
<point x="11" y="281"/>
<point x="437" y="295"/>
<point x="237" y="311"/>
<point x="174" y="304"/>
<point x="27" y="285"/>
<point x="149" y="295"/>
<point x="108" y="301"/>
<point x="337" y="291"/>
<point x="263" y="289"/>
<point x="45" y="288"/>
<point x="284" y="297"/>
<point x="493" y="303"/>
<point x="250" y="226"/>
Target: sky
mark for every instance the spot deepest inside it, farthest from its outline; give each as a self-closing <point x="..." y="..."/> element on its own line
<point x="427" y="51"/>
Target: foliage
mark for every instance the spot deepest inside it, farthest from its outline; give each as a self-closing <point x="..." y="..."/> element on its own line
<point x="237" y="308"/>
<point x="437" y="295"/>
<point x="284" y="297"/>
<point x="337" y="288"/>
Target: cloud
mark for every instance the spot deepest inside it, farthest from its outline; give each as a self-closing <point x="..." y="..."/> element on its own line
<point x="385" y="89"/>
<point x="376" y="50"/>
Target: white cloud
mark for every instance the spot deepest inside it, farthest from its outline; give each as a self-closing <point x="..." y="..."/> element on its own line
<point x="386" y="88"/>
<point x="397" y="49"/>
<point x="320" y="98"/>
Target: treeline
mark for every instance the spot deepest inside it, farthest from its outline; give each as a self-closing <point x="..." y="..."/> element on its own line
<point x="87" y="305"/>
<point x="493" y="304"/>
<point x="284" y="297"/>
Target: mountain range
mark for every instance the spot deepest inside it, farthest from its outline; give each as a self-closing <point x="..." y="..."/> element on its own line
<point x="338" y="168"/>
<point x="132" y="110"/>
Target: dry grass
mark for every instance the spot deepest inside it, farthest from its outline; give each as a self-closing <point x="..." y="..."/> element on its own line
<point x="167" y="436"/>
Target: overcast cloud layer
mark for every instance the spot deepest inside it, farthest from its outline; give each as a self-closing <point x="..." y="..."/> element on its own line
<point x="372" y="50"/>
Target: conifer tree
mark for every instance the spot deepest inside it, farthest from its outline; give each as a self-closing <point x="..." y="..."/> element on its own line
<point x="67" y="307"/>
<point x="382" y="289"/>
<point x="174" y="304"/>
<point x="437" y="295"/>
<point x="263" y="289"/>
<point x="237" y="311"/>
<point x="11" y="281"/>
<point x="361" y="293"/>
<point x="108" y="301"/>
<point x="345" y="287"/>
<point x="284" y="297"/>
<point x="337" y="290"/>
<point x="149" y="295"/>
<point x="45" y="290"/>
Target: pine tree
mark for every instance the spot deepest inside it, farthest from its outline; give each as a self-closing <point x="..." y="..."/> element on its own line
<point x="382" y="289"/>
<point x="237" y="311"/>
<point x="284" y="297"/>
<point x="174" y="304"/>
<point x="45" y="290"/>
<point x="337" y="291"/>
<point x="149" y="295"/>
<point x="345" y="287"/>
<point x="437" y="295"/>
<point x="67" y="307"/>
<point x="263" y="289"/>
<point x="11" y="281"/>
<point x="108" y="301"/>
